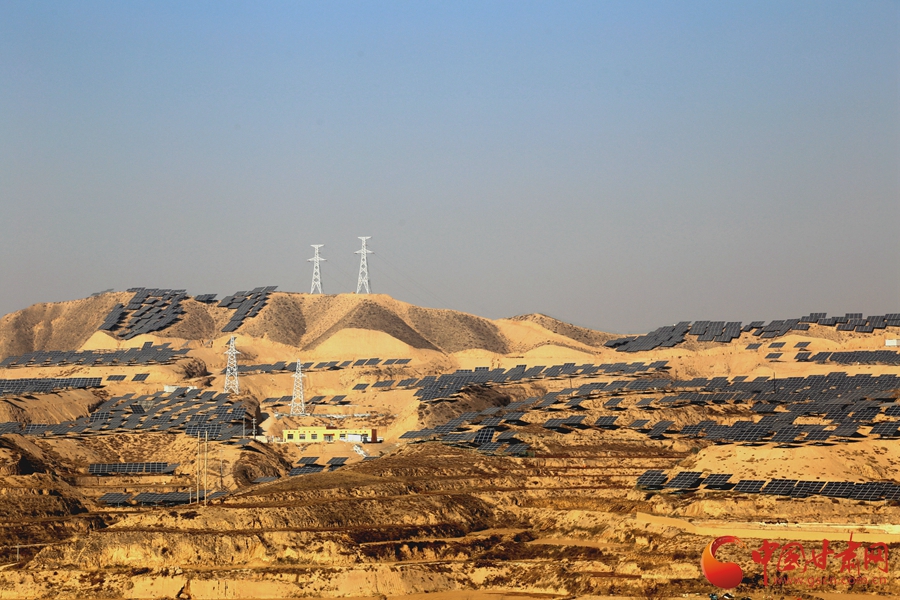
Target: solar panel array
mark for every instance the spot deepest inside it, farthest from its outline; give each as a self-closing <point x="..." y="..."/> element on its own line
<point x="149" y="310"/>
<point x="725" y="332"/>
<point x="856" y="357"/>
<point x="147" y="354"/>
<point x="131" y="468"/>
<point x="173" y="498"/>
<point x="872" y="491"/>
<point x="445" y="386"/>
<point x="16" y="387"/>
<point x="190" y="411"/>
<point x="246" y="305"/>
<point x="279" y="367"/>
<point x="848" y="402"/>
<point x="664" y="337"/>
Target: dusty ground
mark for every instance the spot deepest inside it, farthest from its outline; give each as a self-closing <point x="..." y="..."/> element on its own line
<point x="425" y="520"/>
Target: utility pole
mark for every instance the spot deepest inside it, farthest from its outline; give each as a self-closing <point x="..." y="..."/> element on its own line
<point x="198" y="467"/>
<point x="206" y="471"/>
<point x="231" y="370"/>
<point x="298" y="404"/>
<point x="363" y="281"/>
<point x="317" y="275"/>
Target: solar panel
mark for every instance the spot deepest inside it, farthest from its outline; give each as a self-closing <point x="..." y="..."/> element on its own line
<point x="338" y="461"/>
<point x="484" y="436"/>
<point x="660" y="428"/>
<point x="870" y="491"/>
<point x="652" y="478"/>
<point x="892" y="492"/>
<point x="691" y="430"/>
<point x="308" y="460"/>
<point x="306" y="470"/>
<point x="888" y="429"/>
<point x="779" y="487"/>
<point x="606" y="422"/>
<point x="804" y="489"/>
<point x="717" y="480"/>
<point x="844" y="430"/>
<point x="518" y="449"/>
<point x="786" y="436"/>
<point x="749" y="486"/>
<point x="685" y="480"/>
<point x="838" y="489"/>
<point x="639" y="423"/>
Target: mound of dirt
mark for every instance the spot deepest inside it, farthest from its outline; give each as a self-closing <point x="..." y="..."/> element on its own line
<point x="583" y="335"/>
<point x="55" y="325"/>
<point x="372" y="315"/>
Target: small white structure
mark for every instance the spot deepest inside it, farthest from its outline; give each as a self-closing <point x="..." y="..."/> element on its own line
<point x="317" y="275"/>
<point x="231" y="370"/>
<point x="363" y="282"/>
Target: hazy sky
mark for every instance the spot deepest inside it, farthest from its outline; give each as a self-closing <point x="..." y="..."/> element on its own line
<point x="621" y="166"/>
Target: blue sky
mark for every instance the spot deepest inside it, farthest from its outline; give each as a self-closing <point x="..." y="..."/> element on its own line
<point x="616" y="165"/>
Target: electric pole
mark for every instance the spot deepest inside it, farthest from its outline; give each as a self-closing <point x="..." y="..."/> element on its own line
<point x="317" y="274"/>
<point x="363" y="281"/>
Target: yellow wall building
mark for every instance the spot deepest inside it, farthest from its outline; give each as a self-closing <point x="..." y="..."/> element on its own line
<point x="329" y="434"/>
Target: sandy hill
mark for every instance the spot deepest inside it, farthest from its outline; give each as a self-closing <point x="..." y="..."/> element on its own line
<point x="55" y="325"/>
<point x="307" y="322"/>
<point x="579" y="334"/>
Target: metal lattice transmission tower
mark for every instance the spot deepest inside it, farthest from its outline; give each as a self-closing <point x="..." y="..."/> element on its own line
<point x="317" y="275"/>
<point x="363" y="281"/>
<point x="298" y="404"/>
<point x="231" y="370"/>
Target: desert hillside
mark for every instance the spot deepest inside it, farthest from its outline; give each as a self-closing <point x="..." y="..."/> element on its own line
<point x="302" y="321"/>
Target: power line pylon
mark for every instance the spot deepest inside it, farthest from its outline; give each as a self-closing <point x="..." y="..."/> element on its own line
<point x="231" y="370"/>
<point x="298" y="404"/>
<point x="363" y="281"/>
<point x="317" y="275"/>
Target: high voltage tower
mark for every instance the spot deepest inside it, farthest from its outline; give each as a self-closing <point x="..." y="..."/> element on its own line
<point x="298" y="404"/>
<point x="231" y="370"/>
<point x="317" y="275"/>
<point x="363" y="281"/>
